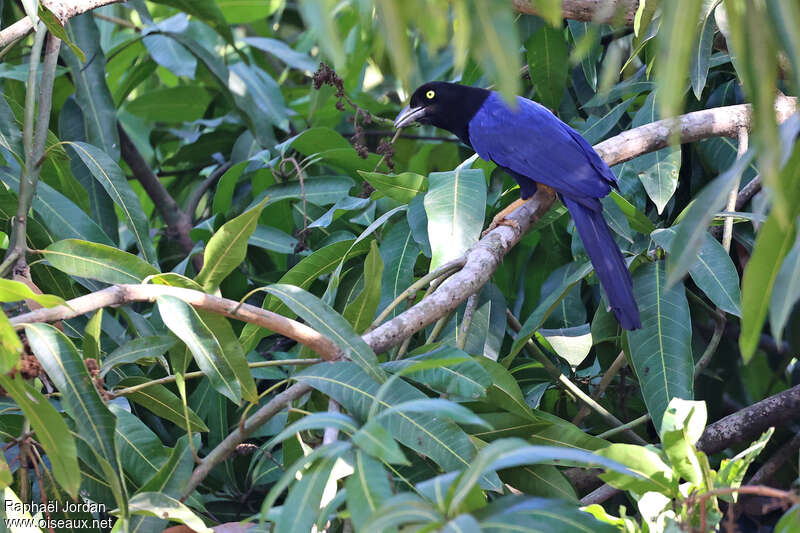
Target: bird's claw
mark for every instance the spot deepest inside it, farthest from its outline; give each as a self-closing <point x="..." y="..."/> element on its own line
<point x="501" y="221"/>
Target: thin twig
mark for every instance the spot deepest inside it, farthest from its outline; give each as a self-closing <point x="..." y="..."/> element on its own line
<point x="711" y="348"/>
<point x="194" y="198"/>
<point x="199" y="373"/>
<point x="618" y="364"/>
<point x="331" y="433"/>
<point x="727" y="231"/>
<point x="759" y="490"/>
<point x="562" y="380"/>
<point x="469" y="311"/>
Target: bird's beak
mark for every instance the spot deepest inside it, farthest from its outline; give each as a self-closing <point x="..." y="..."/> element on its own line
<point x="409" y="115"/>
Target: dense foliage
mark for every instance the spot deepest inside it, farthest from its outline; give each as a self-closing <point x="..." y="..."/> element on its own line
<point x="206" y="154"/>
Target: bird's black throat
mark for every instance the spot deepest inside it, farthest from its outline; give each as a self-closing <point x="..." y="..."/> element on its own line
<point x="452" y="108"/>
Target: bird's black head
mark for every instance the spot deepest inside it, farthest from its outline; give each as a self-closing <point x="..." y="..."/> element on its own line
<point x="445" y="105"/>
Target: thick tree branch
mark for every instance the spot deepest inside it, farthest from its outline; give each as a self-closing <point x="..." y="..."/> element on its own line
<point x="179" y="224"/>
<point x="62" y="9"/>
<point x="600" y="11"/>
<point x="123" y="294"/>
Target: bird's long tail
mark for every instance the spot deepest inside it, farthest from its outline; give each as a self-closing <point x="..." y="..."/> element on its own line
<point x="607" y="260"/>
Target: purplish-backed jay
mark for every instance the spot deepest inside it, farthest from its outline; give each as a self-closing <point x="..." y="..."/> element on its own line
<point x="533" y="145"/>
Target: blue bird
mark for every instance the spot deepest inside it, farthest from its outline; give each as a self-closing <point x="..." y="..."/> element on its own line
<point x="534" y="146"/>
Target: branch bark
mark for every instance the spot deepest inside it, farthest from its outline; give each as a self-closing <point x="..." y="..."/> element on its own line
<point x="62" y="9"/>
<point x="179" y="223"/>
<point x="600" y="11"/>
<point x="123" y="294"/>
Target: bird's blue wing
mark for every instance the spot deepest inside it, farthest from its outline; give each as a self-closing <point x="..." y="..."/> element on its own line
<point x="532" y="142"/>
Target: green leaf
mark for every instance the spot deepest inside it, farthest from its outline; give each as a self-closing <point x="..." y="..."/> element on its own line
<point x="63" y="218"/>
<point x="373" y="439"/>
<point x="367" y="489"/>
<point x="207" y="11"/>
<point x="571" y="344"/>
<point x="10" y="345"/>
<point x="323" y="261"/>
<point x="496" y="42"/>
<point x="331" y="324"/>
<point x="227" y="248"/>
<point x="658" y="171"/>
<point x="97" y="261"/>
<point x="93" y="421"/>
<point x="322" y="420"/>
<point x="113" y="180"/>
<point x="636" y="218"/>
<point x="260" y="99"/>
<point x="731" y="471"/>
<point x="595" y="130"/>
<point x="654" y="474"/>
<point x="661" y="351"/>
<point x="786" y="291"/>
<point x="713" y="271"/>
<point x="161" y="401"/>
<point x="273" y="239"/>
<point x="275" y="47"/>
<point x="173" y="56"/>
<point x="438" y="438"/>
<point x="302" y="504"/>
<point x="702" y="48"/>
<point x="163" y="506"/>
<point x="675" y="39"/>
<point x="141" y="453"/>
<point x="321" y="190"/>
<point x="54" y="26"/>
<point x="150" y="348"/>
<point x="51" y="432"/>
<point x="402" y="187"/>
<point x="540" y="480"/>
<point x="171" y="104"/>
<point x="695" y="219"/>
<point x="14" y="291"/>
<point x="548" y="64"/>
<point x="401" y="509"/>
<point x="360" y="312"/>
<point x="681" y="427"/>
<point x="459" y="373"/>
<point x="773" y="243"/>
<point x="543" y="309"/>
<point x="790" y="521"/>
<point x="91" y="89"/>
<point x="399" y="253"/>
<point x="455" y="204"/>
<point x="186" y="324"/>
<point x="316" y="14"/>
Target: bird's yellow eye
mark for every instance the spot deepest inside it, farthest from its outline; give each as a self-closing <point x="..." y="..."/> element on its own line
<point x="429" y="95"/>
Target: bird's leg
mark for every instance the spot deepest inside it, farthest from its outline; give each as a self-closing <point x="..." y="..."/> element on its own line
<point x="501" y="220"/>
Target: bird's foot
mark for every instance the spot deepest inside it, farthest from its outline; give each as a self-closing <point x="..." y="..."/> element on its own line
<point x="501" y="220"/>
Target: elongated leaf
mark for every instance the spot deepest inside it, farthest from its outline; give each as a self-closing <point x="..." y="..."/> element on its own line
<point x="495" y="37"/>
<point x="206" y="348"/>
<point x="713" y="271"/>
<point x="113" y="180"/>
<point x="321" y="190"/>
<point x="654" y="474"/>
<point x="465" y="378"/>
<point x="367" y="488"/>
<point x="402" y="187"/>
<point x="140" y="450"/>
<point x="674" y="52"/>
<point x="163" y="506"/>
<point x="275" y="47"/>
<point x="161" y="401"/>
<point x="171" y="104"/>
<point x="91" y="90"/>
<point x="10" y="345"/>
<point x="455" y="204"/>
<point x="547" y="64"/>
<point x="399" y="253"/>
<point x="260" y="99"/>
<point x="302" y="504"/>
<point x="51" y="432"/>
<point x="207" y="11"/>
<point x="325" y="320"/>
<point x="97" y="261"/>
<point x="772" y="245"/>
<point x="545" y="307"/>
<point x="94" y="422"/>
<point x="273" y="239"/>
<point x="786" y="292"/>
<point x="360" y="312"/>
<point x="702" y="48"/>
<point x="376" y="441"/>
<point x="137" y="349"/>
<point x="171" y="55"/>
<point x="595" y="130"/>
<point x="694" y="224"/>
<point x="63" y="218"/>
<point x="323" y="261"/>
<point x="14" y="291"/>
<point x="658" y="171"/>
<point x="441" y="440"/>
<point x="661" y="351"/>
<point x="227" y="248"/>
